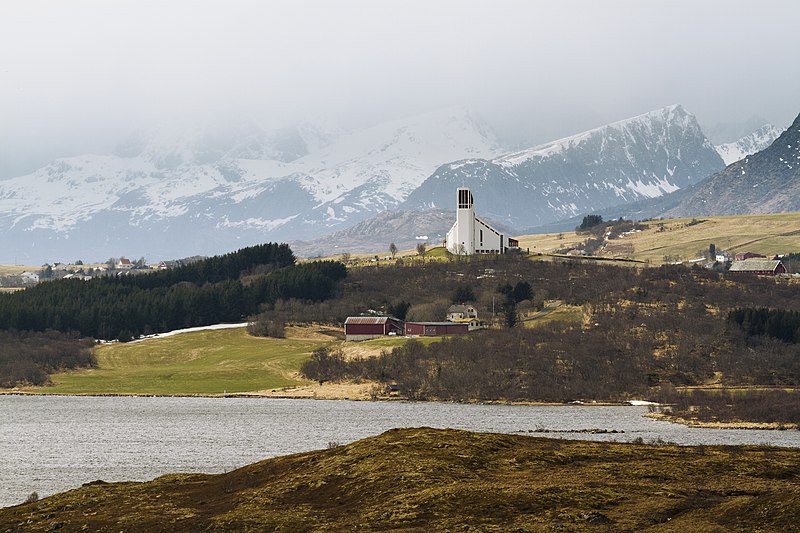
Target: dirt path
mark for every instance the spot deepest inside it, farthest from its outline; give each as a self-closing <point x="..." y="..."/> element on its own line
<point x="549" y="308"/>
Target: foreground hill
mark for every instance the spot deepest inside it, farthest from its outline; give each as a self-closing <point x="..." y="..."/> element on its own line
<point x="427" y="479"/>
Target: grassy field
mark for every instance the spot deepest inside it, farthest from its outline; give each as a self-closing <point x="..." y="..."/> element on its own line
<point x="209" y="363"/>
<point x="16" y="270"/>
<point x="448" y="480"/>
<point x="765" y="234"/>
<point x="556" y="311"/>
<point x="683" y="239"/>
<point x="205" y="362"/>
<point x="680" y="239"/>
<point x="547" y="243"/>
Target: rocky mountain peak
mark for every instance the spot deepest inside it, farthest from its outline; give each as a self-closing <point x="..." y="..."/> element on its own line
<point x="764" y="182"/>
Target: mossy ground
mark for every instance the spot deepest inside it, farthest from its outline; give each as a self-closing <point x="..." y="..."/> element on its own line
<point x="447" y="480"/>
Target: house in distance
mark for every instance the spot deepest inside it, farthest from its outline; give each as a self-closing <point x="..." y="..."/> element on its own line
<point x="470" y="235"/>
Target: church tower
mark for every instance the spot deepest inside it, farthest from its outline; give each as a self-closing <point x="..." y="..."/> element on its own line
<point x="464" y="235"/>
<point x="471" y="235"/>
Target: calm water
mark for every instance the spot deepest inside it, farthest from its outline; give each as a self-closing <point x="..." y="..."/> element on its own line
<point x="52" y="444"/>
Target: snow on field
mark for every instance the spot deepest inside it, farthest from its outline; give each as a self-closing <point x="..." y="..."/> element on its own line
<point x="191" y="330"/>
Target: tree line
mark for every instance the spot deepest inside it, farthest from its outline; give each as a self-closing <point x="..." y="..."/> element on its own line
<point x="775" y="406"/>
<point x="28" y="357"/>
<point x="219" y="289"/>
<point x="777" y="323"/>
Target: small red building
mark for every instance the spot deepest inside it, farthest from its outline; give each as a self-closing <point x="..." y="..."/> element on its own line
<point x="436" y="328"/>
<point x="361" y="328"/>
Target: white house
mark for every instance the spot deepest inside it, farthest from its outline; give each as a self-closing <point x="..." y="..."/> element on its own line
<point x="470" y="235"/>
<point x="30" y="277"/>
<point x="461" y="312"/>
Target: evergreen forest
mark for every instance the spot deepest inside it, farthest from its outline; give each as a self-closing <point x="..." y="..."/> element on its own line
<point x="225" y="288"/>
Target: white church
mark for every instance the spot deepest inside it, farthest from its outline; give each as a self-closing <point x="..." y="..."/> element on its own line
<point x="470" y="235"/>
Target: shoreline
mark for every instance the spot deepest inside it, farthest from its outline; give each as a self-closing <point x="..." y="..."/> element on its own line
<point x="370" y="391"/>
<point x="701" y="424"/>
<point x="335" y="391"/>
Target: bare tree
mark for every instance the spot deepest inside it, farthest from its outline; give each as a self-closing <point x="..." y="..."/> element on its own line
<point x="421" y="247"/>
<point x="393" y="249"/>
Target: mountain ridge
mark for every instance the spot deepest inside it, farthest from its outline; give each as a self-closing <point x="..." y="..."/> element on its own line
<point x="158" y="201"/>
<point x="206" y="192"/>
<point x="767" y="181"/>
<point x="641" y="157"/>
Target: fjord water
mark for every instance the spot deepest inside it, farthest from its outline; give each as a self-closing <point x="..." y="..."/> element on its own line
<point x="49" y="444"/>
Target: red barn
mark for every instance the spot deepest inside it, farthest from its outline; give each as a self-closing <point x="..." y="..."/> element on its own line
<point x="361" y="328"/>
<point x="760" y="268"/>
<point x="436" y="328"/>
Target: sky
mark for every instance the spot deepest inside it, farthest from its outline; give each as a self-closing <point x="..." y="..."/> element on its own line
<point x="79" y="76"/>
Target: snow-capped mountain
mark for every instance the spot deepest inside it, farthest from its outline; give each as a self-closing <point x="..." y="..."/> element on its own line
<point x="172" y="194"/>
<point x="642" y="157"/>
<point x="749" y="144"/>
<point x="765" y="182"/>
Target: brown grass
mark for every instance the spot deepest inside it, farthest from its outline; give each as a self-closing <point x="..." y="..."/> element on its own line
<point x="449" y="480"/>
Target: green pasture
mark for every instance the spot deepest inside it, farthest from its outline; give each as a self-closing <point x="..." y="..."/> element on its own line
<point x="392" y="342"/>
<point x="205" y="362"/>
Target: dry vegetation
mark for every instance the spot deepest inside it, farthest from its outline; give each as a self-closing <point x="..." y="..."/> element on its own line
<point x="685" y="239"/>
<point x="448" y="480"/>
<point x="614" y="333"/>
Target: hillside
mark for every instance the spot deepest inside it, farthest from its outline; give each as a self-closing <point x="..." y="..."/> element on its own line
<point x="765" y="182"/>
<point x="749" y="144"/>
<point x="404" y="228"/>
<point x="682" y="240"/>
<point x="445" y="480"/>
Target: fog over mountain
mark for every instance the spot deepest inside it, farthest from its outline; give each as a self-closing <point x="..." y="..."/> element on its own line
<point x="143" y="88"/>
<point x="646" y="156"/>
<point x="80" y="77"/>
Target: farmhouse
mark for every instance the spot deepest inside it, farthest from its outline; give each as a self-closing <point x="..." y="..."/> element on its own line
<point x="770" y="267"/>
<point x="470" y="235"/>
<point x="361" y="328"/>
<point x="461" y="312"/>
<point x="30" y="277"/>
<point x="164" y="265"/>
<point x="436" y="328"/>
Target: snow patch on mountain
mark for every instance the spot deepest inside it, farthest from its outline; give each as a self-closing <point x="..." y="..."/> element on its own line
<point x="629" y="128"/>
<point x="236" y="177"/>
<point x="749" y="144"/>
<point x="642" y="157"/>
